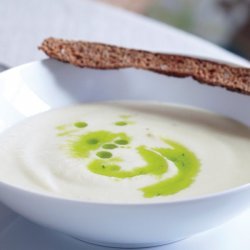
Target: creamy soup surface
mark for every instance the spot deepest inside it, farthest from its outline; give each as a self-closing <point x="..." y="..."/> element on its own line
<point x="126" y="152"/>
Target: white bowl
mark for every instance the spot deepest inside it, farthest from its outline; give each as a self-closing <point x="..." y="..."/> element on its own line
<point x="39" y="86"/>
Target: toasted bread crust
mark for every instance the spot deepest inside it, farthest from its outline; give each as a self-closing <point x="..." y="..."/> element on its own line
<point x="103" y="56"/>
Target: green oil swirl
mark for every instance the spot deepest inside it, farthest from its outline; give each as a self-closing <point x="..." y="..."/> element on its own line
<point x="156" y="161"/>
<point x="155" y="165"/>
<point x="188" y="167"/>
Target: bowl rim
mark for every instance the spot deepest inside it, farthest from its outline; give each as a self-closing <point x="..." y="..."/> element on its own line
<point x="198" y="198"/>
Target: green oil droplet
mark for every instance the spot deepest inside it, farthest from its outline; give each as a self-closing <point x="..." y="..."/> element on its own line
<point x="80" y="124"/>
<point x="104" y="154"/>
<point x="92" y="141"/>
<point x="109" y="146"/>
<point x="121" y="142"/>
<point x="121" y="123"/>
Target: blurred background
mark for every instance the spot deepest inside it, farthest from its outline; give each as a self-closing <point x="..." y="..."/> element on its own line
<point x="224" y="22"/>
<point x="25" y="23"/>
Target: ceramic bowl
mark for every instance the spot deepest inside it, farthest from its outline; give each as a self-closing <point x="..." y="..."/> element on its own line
<point x="35" y="87"/>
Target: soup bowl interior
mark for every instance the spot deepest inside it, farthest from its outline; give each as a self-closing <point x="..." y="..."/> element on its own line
<point x="40" y="86"/>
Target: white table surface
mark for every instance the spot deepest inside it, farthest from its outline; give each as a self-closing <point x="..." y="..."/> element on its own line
<point x="25" y="23"/>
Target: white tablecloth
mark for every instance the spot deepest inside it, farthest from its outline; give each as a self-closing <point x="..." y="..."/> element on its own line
<point x="25" y="23"/>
